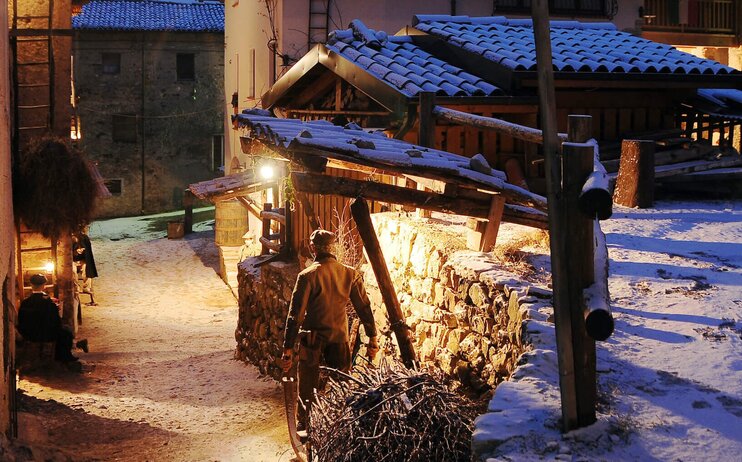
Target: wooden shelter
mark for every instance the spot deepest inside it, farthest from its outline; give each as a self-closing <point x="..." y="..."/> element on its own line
<point x="329" y="165"/>
<point x="486" y="66"/>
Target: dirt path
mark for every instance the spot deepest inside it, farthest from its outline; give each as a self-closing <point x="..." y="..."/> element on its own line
<point x="159" y="383"/>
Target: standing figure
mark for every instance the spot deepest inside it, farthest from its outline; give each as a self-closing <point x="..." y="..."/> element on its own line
<point x="82" y="256"/>
<point x="318" y="319"/>
<point x="39" y="321"/>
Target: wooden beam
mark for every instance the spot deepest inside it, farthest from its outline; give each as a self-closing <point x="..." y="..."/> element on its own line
<point x="305" y="155"/>
<point x="494" y="217"/>
<point x="324" y="184"/>
<point x="250" y="205"/>
<point x="269" y="245"/>
<point x="577" y="161"/>
<point x="308" y="209"/>
<point x="274" y="215"/>
<point x="362" y="218"/>
<point x="520" y="132"/>
<point x="597" y="301"/>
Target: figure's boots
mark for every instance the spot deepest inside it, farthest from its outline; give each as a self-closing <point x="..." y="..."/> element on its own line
<point x="82" y="345"/>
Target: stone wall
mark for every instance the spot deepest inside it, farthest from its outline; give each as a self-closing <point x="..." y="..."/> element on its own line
<point x="464" y="311"/>
<point x="174" y="120"/>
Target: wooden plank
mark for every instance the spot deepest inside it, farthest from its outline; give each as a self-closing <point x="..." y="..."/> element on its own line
<point x="624" y="121"/>
<point x="695" y="166"/>
<point x="514" y="130"/>
<point x="401" y="330"/>
<point x="640" y="119"/>
<point x="610" y="123"/>
<point x="494" y="218"/>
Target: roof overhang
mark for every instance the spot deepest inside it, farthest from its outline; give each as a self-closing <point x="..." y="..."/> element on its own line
<point x="321" y="59"/>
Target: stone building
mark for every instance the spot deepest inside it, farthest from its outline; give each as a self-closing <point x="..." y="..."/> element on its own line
<point x="149" y="108"/>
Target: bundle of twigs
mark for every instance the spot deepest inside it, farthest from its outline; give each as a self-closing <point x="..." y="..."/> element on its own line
<point x="390" y="414"/>
<point x="53" y="188"/>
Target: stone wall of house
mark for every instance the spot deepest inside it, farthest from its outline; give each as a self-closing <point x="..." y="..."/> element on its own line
<point x="173" y="121"/>
<point x="464" y="311"/>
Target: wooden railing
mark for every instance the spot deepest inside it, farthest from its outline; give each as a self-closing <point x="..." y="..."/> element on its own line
<point x="703" y="16"/>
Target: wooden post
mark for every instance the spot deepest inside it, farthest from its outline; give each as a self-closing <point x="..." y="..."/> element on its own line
<point x="482" y="234"/>
<point x="577" y="165"/>
<point x="266" y="228"/>
<point x="426" y="133"/>
<point x="188" y="208"/>
<point x="579" y="128"/>
<point x="635" y="181"/>
<point x="557" y="231"/>
<point x="362" y="217"/>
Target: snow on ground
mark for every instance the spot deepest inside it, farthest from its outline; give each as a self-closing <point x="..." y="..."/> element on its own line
<point x="670" y="377"/>
<point x="160" y="382"/>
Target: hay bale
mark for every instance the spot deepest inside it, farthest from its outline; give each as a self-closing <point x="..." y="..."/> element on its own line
<point x="53" y="188"/>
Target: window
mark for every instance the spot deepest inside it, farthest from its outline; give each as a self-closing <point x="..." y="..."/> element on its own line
<point x="185" y="66"/>
<point x="125" y="128"/>
<point x="217" y="153"/>
<point x="111" y="63"/>
<point x="114" y="185"/>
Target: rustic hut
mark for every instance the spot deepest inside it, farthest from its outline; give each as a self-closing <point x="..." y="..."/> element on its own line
<point x="632" y="87"/>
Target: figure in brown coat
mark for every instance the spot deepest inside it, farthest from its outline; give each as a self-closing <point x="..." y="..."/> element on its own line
<point x="317" y="317"/>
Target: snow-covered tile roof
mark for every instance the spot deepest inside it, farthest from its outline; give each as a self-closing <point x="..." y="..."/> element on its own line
<point x="352" y="143"/>
<point x="402" y="64"/>
<point x="151" y="15"/>
<point x="581" y="47"/>
<point x="722" y="102"/>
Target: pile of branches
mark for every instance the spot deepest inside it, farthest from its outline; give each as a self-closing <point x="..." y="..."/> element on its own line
<point x="54" y="190"/>
<point x="388" y="414"/>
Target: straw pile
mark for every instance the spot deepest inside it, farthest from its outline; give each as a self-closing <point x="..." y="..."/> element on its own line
<point x="390" y="414"/>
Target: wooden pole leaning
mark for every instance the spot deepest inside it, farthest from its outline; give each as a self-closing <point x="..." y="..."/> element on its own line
<point x="557" y="229"/>
<point x="266" y="231"/>
<point x="362" y="217"/>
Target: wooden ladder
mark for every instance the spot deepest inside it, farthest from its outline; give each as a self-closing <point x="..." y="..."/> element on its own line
<point x="31" y="37"/>
<point x="319" y="22"/>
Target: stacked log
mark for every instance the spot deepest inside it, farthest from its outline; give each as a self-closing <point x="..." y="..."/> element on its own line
<point x="264" y="295"/>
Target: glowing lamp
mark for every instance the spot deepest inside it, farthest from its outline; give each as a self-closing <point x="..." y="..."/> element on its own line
<point x="49" y="267"/>
<point x="266" y="172"/>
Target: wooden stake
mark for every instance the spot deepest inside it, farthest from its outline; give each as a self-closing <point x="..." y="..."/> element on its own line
<point x="188" y="208"/>
<point x="577" y="165"/>
<point x="635" y="181"/>
<point x="362" y="217"/>
<point x="557" y="231"/>
<point x="489" y="238"/>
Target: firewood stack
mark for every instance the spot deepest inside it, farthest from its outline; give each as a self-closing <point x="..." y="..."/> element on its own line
<point x="391" y="413"/>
